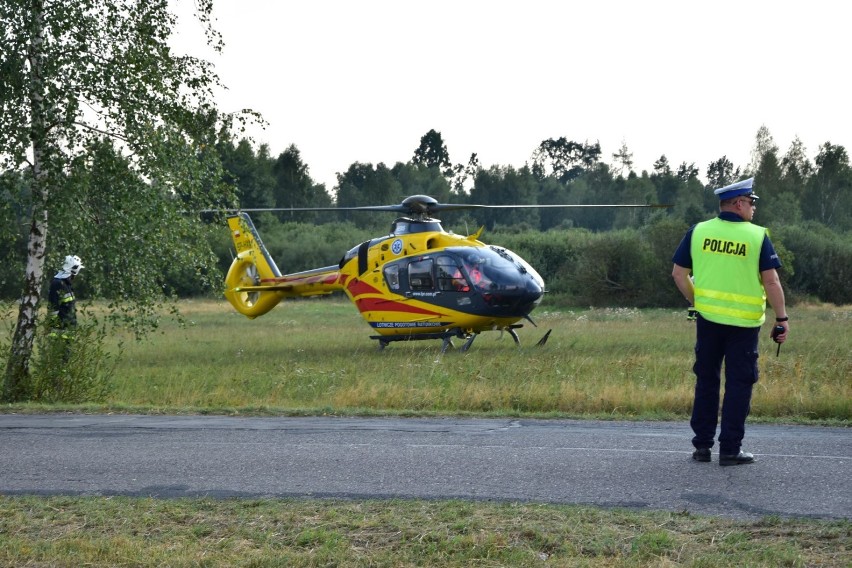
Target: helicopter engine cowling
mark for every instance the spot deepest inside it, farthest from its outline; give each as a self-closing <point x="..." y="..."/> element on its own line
<point x="242" y="274"/>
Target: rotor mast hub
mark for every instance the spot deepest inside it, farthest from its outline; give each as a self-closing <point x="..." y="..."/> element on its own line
<point x="420" y="206"/>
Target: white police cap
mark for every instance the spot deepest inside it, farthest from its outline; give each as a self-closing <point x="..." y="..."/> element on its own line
<point x="736" y="189"/>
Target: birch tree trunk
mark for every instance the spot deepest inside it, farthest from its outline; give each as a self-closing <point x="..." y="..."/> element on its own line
<point x="16" y="381"/>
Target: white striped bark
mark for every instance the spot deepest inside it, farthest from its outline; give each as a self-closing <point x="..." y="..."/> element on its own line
<point x="18" y="364"/>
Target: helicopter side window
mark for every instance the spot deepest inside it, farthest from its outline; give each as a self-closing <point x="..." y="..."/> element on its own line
<point x="420" y="275"/>
<point x="449" y="275"/>
<point x="392" y="276"/>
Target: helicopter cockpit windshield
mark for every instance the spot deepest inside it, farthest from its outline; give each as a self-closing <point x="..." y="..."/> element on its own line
<point x="470" y="279"/>
<point x="492" y="268"/>
<point x="499" y="275"/>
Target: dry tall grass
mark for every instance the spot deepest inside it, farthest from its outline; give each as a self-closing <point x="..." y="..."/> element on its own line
<point x="316" y="355"/>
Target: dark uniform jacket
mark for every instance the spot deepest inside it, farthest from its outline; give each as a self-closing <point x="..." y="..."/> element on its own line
<point x="63" y="310"/>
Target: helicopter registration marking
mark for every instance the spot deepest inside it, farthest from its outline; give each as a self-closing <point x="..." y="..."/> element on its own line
<point x="400" y="324"/>
<point x="396" y="247"/>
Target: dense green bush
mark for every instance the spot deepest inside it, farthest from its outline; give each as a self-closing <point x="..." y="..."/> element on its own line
<point x="554" y="254"/>
<point x="299" y="246"/>
<point x="616" y="268"/>
<point x="613" y="270"/>
<point x="822" y="261"/>
<point x="72" y="366"/>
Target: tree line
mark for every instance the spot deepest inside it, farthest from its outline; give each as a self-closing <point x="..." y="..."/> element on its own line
<point x="807" y="206"/>
<point x="589" y="256"/>
<point x="559" y="171"/>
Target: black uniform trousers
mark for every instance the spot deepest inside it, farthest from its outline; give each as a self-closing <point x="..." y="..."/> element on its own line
<point x="737" y="346"/>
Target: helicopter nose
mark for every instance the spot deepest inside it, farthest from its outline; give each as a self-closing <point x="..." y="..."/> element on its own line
<point x="530" y="296"/>
<point x="518" y="300"/>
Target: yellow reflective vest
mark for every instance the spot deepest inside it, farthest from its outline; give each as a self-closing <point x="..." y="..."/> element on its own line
<point x="725" y="266"/>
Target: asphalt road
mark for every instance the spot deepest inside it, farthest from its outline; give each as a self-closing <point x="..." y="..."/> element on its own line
<point x="801" y="471"/>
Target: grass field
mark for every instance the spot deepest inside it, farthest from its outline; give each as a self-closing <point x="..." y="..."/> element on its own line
<point x="65" y="531"/>
<point x="315" y="357"/>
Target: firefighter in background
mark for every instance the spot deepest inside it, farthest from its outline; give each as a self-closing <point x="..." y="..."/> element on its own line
<point x="62" y="304"/>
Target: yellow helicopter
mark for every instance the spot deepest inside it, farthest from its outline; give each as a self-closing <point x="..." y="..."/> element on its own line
<point x="417" y="282"/>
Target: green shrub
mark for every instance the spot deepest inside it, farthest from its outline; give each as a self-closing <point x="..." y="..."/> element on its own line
<point x="822" y="261"/>
<point x="72" y="367"/>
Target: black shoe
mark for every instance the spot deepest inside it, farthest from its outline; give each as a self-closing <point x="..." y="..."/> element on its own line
<point x="701" y="455"/>
<point x="741" y="458"/>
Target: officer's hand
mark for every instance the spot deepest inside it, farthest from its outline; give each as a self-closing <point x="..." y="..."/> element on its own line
<point x="779" y="331"/>
<point x="691" y="314"/>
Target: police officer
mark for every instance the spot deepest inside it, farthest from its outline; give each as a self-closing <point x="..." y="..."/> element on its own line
<point x="734" y="271"/>
<point x="63" y="309"/>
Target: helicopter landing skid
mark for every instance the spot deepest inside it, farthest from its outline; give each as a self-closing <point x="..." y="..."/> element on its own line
<point x="446" y="337"/>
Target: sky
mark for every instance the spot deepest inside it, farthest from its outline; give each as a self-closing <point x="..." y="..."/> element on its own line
<point x="362" y="81"/>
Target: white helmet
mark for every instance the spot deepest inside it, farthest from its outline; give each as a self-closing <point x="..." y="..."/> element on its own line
<point x="72" y="265"/>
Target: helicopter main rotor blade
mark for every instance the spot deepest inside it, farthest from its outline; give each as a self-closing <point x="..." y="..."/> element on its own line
<point x="451" y="206"/>
<point x="424" y="205"/>
<point x="391" y="208"/>
<point x="438" y="207"/>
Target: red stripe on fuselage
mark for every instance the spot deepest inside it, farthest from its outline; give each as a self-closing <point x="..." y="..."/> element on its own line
<point x="359" y="287"/>
<point x="382" y="305"/>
